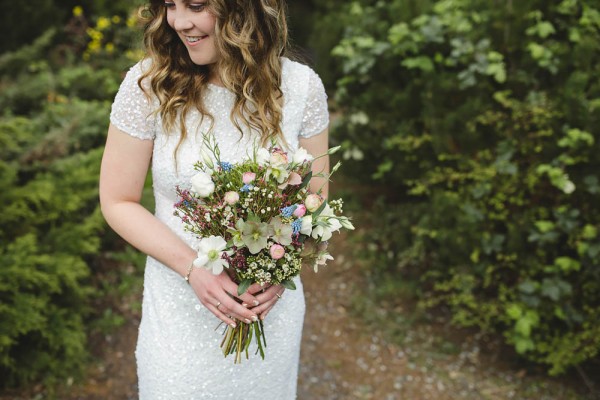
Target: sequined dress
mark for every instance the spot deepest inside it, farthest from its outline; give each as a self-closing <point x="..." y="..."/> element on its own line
<point x="178" y="354"/>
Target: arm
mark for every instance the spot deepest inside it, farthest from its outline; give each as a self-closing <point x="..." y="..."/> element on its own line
<point x="124" y="168"/>
<point x="317" y="145"/>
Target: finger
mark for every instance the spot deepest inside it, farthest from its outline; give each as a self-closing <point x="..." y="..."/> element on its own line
<point x="235" y="309"/>
<point x="263" y="315"/>
<point x="221" y="315"/>
<point x="257" y="288"/>
<point x="268" y="304"/>
<point x="248" y="299"/>
<point x="270" y="293"/>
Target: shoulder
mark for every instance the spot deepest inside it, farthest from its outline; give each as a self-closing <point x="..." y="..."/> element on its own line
<point x="136" y="71"/>
<point x="299" y="78"/>
<point x="293" y="71"/>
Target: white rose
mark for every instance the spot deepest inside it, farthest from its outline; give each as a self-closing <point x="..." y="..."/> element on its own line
<point x="301" y="155"/>
<point x="202" y="184"/>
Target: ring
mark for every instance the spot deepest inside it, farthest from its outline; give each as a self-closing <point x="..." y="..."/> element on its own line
<point x="278" y="295"/>
<point x="218" y="304"/>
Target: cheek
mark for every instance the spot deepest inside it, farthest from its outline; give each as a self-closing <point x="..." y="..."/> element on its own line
<point x="171" y="21"/>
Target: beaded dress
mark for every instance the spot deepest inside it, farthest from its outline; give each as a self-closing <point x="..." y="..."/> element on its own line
<point x="178" y="354"/>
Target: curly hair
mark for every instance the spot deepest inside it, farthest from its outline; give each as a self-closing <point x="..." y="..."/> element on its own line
<point x="250" y="39"/>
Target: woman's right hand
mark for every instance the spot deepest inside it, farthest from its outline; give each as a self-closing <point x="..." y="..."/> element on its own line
<point x="218" y="293"/>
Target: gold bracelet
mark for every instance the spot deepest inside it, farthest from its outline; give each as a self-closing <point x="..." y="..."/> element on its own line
<point x="189" y="272"/>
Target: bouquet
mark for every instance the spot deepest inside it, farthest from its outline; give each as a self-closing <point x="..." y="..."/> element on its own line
<point x="258" y="221"/>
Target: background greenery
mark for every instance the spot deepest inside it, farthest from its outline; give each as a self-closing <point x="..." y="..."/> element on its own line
<point x="481" y="120"/>
<point x="477" y="120"/>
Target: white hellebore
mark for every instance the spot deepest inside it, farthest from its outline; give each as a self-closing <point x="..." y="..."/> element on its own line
<point x="301" y="155"/>
<point x="327" y="223"/>
<point x="210" y="254"/>
<point x="202" y="184"/>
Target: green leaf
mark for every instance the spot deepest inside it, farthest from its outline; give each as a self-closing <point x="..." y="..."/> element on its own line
<point x="514" y="311"/>
<point x="423" y="63"/>
<point x="289" y="284"/>
<point x="243" y="286"/>
<point x="306" y="180"/>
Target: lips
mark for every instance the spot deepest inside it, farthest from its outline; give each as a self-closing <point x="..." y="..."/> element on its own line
<point x="194" y="40"/>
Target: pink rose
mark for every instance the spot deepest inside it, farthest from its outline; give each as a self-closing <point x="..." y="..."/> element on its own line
<point x="313" y="202"/>
<point x="231" y="198"/>
<point x="300" y="211"/>
<point x="277" y="251"/>
<point x="248" y="177"/>
<point x="278" y="158"/>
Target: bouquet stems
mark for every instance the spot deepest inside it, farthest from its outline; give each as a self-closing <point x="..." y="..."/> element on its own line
<point x="237" y="340"/>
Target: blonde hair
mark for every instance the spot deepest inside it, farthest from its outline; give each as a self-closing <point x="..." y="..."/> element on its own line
<point x="250" y="39"/>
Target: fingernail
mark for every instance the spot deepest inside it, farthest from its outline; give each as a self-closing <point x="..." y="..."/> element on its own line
<point x="256" y="302"/>
<point x="262" y="317"/>
<point x="247" y="320"/>
<point x="254" y="318"/>
<point x="244" y="305"/>
<point x="233" y="325"/>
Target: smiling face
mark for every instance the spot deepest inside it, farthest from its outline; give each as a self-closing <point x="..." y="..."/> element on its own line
<point x="195" y="26"/>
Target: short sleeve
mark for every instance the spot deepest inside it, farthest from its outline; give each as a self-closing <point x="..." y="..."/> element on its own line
<point x="132" y="110"/>
<point x="316" y="114"/>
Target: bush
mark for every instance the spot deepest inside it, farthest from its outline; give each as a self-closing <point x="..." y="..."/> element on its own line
<point x="484" y="122"/>
<point x="53" y="127"/>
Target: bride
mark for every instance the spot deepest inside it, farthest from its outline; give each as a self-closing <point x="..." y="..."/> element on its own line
<point x="215" y="66"/>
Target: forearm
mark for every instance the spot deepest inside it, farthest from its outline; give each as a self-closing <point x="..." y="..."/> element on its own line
<point x="148" y="234"/>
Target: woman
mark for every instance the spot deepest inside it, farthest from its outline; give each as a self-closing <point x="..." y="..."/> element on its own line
<point x="212" y="66"/>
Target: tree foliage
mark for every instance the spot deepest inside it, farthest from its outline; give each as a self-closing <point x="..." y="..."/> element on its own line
<point x="483" y="118"/>
<point x="52" y="129"/>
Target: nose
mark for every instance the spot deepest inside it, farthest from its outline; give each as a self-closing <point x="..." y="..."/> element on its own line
<point x="181" y="21"/>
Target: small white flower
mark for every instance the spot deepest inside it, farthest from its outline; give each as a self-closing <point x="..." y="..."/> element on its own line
<point x="202" y="184"/>
<point x="322" y="260"/>
<point x="210" y="253"/>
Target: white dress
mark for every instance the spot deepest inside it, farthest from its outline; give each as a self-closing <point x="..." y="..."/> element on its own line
<point x="178" y="353"/>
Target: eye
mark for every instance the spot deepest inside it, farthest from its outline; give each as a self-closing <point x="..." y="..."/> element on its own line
<point x="197" y="7"/>
<point x="169" y="5"/>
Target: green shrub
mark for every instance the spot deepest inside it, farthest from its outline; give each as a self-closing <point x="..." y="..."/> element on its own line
<point x="52" y="129"/>
<point x="49" y="228"/>
<point x="483" y="120"/>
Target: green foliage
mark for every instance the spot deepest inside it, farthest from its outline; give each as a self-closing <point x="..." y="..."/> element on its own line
<point x="484" y="120"/>
<point x="52" y="128"/>
<point x="21" y="25"/>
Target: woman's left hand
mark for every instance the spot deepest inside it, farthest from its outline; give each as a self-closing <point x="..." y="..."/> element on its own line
<point x="268" y="297"/>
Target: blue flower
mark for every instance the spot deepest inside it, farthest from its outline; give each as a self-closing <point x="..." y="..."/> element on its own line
<point x="246" y="188"/>
<point x="288" y="211"/>
<point x="296" y="226"/>
<point x="225" y="166"/>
